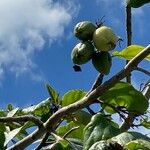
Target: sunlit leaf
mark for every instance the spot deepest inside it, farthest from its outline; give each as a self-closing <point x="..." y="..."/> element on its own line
<point x="72" y="96"/>
<point x="77" y="133"/>
<point x="130" y="52"/>
<point x="138" y="145"/>
<point x="123" y="94"/>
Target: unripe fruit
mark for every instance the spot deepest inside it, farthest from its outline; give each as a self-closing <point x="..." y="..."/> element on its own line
<point x="136" y="3"/>
<point x="104" y="39"/>
<point x="82" y="53"/>
<point x="102" y="62"/>
<point x="84" y="30"/>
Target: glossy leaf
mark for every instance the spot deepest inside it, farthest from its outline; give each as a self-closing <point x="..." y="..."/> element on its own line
<point x="100" y="128"/>
<point x="2" y="136"/>
<point x="125" y="95"/>
<point x="72" y="96"/>
<point x="130" y="52"/>
<point x="78" y="133"/>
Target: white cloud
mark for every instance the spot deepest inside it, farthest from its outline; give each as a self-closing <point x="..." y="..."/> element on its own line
<point x="23" y="26"/>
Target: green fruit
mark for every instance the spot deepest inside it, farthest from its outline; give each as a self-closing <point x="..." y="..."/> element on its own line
<point x="105" y="39"/>
<point x="137" y="3"/>
<point x="102" y="62"/>
<point x="84" y="30"/>
<point x="82" y="53"/>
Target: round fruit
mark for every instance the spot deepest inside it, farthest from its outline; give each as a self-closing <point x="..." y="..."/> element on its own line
<point x="102" y="62"/>
<point x="82" y="53"/>
<point x="104" y="39"/>
<point x="84" y="30"/>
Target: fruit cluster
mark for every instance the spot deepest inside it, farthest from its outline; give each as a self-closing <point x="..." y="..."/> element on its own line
<point x="95" y="43"/>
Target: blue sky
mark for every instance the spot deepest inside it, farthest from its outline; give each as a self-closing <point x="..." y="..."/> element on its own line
<point x="36" y="39"/>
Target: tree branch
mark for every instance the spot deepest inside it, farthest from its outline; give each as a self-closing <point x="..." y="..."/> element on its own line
<point x="37" y="121"/>
<point x="85" y="101"/>
<point x="97" y="82"/>
<point x="129" y="34"/>
<point x="43" y="141"/>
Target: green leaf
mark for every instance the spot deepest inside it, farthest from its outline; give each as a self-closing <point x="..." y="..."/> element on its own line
<point x="100" y="128"/>
<point x="53" y="94"/>
<point x="72" y="96"/>
<point x="77" y="144"/>
<point x="12" y="112"/>
<point x="39" y="109"/>
<point x="2" y="136"/>
<point x="125" y="95"/>
<point x="81" y="117"/>
<point x="3" y="113"/>
<point x="78" y="133"/>
<point x="10" y="135"/>
<point x="145" y="123"/>
<point x="127" y="137"/>
<point x="130" y="52"/>
<point x="136" y="3"/>
<point x="138" y="145"/>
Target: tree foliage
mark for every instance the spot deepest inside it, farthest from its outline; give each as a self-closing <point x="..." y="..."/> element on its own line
<point x="67" y="122"/>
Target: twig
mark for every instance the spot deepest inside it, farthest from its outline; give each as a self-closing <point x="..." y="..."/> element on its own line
<point x="43" y="141"/>
<point x="71" y="130"/>
<point x="129" y="34"/>
<point x="90" y="110"/>
<point x="143" y="70"/>
<point x="97" y="82"/>
<point x="146" y="90"/>
<point x="127" y="122"/>
<point x="26" y="118"/>
<point x="85" y="101"/>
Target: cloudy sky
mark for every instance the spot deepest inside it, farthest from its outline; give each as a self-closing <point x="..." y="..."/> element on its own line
<point x="36" y="40"/>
